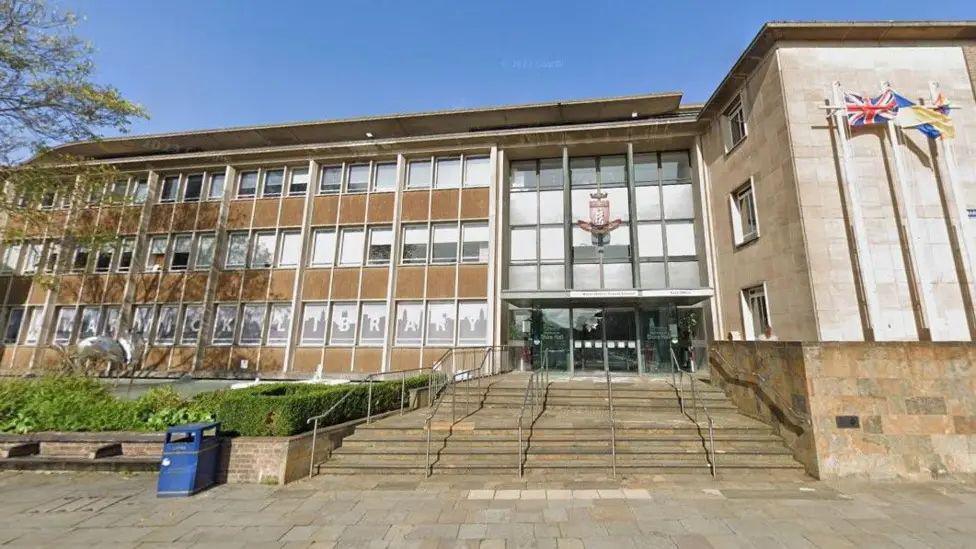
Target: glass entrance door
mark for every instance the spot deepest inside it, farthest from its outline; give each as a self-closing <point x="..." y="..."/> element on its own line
<point x="588" y="340"/>
<point x="620" y="340"/>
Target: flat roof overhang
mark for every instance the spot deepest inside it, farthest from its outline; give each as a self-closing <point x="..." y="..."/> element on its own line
<point x="606" y="298"/>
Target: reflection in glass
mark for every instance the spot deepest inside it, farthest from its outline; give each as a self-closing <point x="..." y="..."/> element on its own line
<point x="344" y="320"/>
<point x="472" y="323"/>
<point x="314" y="323"/>
<point x="373" y="324"/>
<point x="225" y="323"/>
<point x="440" y="323"/>
<point x="409" y="323"/>
<point x="192" y="322"/>
<point x="279" y="323"/>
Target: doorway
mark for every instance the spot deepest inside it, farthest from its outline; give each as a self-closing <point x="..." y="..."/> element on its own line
<point x="604" y="339"/>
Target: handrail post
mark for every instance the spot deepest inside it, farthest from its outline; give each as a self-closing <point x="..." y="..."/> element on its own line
<point x="369" y="402"/>
<point x="403" y="389"/>
<point x="613" y="429"/>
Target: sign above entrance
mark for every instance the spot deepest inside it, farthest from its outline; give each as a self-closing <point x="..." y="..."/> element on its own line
<point x="604" y="293"/>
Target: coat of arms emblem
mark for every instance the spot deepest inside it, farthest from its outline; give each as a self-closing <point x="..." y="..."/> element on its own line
<point x="600" y="225"/>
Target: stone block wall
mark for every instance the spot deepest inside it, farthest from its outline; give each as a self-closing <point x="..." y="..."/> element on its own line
<point x="914" y="403"/>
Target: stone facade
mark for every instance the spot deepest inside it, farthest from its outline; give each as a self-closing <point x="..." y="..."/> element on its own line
<point x="914" y="404"/>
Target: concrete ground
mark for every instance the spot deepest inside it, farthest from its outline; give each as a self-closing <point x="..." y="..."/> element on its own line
<point x="101" y="509"/>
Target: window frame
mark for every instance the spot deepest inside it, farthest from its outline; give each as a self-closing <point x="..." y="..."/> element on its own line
<point x="370" y="262"/>
<point x="240" y="179"/>
<point x="149" y="265"/>
<point x="403" y="243"/>
<point x="322" y="179"/>
<point x="263" y="182"/>
<point x="210" y="197"/>
<point x="343" y="231"/>
<point x="734" y="115"/>
<point x="335" y="242"/>
<point x="171" y="256"/>
<point x="748" y="296"/>
<point x="186" y="187"/>
<point x="739" y="235"/>
<point x="290" y="181"/>
<point x="176" y="192"/>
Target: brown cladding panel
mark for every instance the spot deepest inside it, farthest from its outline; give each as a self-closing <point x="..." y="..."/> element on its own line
<point x="215" y="359"/>
<point x="271" y="361"/>
<point x="145" y="287"/>
<point x="182" y="360"/>
<point x="375" y="280"/>
<point x="185" y="217"/>
<point x="306" y="361"/>
<point x="85" y="219"/>
<point x="171" y="287"/>
<point x="38" y="295"/>
<point x="352" y="209"/>
<point x="256" y="285"/>
<point x="7" y="358"/>
<point x="250" y="354"/>
<point x="157" y="360"/>
<point x="239" y="214"/>
<point x="324" y="210"/>
<point x="444" y="204"/>
<point x="440" y="281"/>
<point x="4" y="282"/>
<point x="93" y="289"/>
<point x="410" y="282"/>
<point x="229" y="285"/>
<point x="316" y="284"/>
<point x="130" y="220"/>
<point x="368" y="360"/>
<point x="159" y="218"/>
<point x="19" y="289"/>
<point x="432" y="354"/>
<point x="196" y="285"/>
<point x="404" y="358"/>
<point x="474" y="203"/>
<point x="69" y="288"/>
<point x="338" y="359"/>
<point x="114" y="289"/>
<point x="473" y="281"/>
<point x="381" y="208"/>
<point x="291" y="212"/>
<point x="108" y="220"/>
<point x="414" y="206"/>
<point x="345" y="283"/>
<point x="266" y="212"/>
<point x="208" y="216"/>
<point x="282" y="285"/>
<point x="22" y="359"/>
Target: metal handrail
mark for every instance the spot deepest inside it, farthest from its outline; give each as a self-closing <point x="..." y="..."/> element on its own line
<point x="369" y="405"/>
<point x="541" y="378"/>
<point x="613" y="428"/>
<point x="452" y="381"/>
<point x="710" y="449"/>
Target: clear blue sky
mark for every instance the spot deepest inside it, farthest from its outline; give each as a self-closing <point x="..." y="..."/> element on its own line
<point x="208" y="64"/>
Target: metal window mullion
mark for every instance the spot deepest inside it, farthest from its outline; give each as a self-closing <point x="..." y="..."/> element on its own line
<point x="631" y="175"/>
<point x="567" y="223"/>
<point x="664" y="233"/>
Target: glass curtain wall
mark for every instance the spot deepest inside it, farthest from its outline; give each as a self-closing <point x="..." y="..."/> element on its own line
<point x="537" y="225"/>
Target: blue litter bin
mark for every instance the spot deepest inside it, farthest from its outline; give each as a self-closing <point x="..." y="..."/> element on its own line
<point x="189" y="462"/>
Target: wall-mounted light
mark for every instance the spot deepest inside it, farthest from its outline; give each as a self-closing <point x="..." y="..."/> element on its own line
<point x="369" y="135"/>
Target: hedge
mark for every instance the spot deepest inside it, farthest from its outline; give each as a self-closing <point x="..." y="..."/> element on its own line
<point x="282" y="409"/>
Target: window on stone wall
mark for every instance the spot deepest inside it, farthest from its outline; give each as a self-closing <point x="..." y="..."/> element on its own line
<point x="216" y="190"/>
<point x="414" y="244"/>
<point x="755" y="312"/>
<point x="274" y="181"/>
<point x="252" y="323"/>
<point x="264" y="249"/>
<point x="441" y="323"/>
<point x="444" y="245"/>
<point x="236" y="250"/>
<point x="194" y="187"/>
<point x="380" y="245"/>
<point x="357" y="178"/>
<point x="247" y="184"/>
<point x="170" y="188"/>
<point x="290" y="249"/>
<point x="745" y="222"/>
<point x="166" y="324"/>
<point x="64" y="325"/>
<point x="734" y="123"/>
<point x="351" y="247"/>
<point x="474" y="243"/>
<point x="419" y="174"/>
<point x="476" y="171"/>
<point x="15" y="317"/>
<point x="182" y="246"/>
<point x="205" y="251"/>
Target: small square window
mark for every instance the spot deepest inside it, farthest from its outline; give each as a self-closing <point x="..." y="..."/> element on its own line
<point x="756" y="312"/>
<point x="216" y="191"/>
<point x="194" y="187"/>
<point x="380" y="246"/>
<point x="170" y="189"/>
<point x="385" y="177"/>
<point x="273" y="183"/>
<point x="734" y="121"/>
<point x="745" y="223"/>
<point x="298" y="183"/>
<point x="331" y="181"/>
<point x="418" y="174"/>
<point x="357" y="180"/>
<point x="247" y="184"/>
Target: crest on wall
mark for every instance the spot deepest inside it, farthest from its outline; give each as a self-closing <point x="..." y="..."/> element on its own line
<point x="600" y="225"/>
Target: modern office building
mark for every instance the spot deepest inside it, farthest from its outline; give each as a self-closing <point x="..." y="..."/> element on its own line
<point x="590" y="232"/>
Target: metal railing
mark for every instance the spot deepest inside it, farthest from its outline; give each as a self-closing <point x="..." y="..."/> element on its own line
<point x="535" y="391"/>
<point x="710" y="445"/>
<point x="369" y="403"/>
<point x="491" y="361"/>
<point x="613" y="427"/>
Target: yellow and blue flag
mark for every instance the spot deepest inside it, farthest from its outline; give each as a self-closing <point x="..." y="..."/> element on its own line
<point x="934" y="122"/>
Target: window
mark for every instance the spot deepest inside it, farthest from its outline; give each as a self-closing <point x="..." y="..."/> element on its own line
<point x="524" y="175"/>
<point x="444" y="248"/>
<point x="205" y="251"/>
<point x="351" y="247"/>
<point x="680" y="238"/>
<point x="252" y="323"/>
<point x="110" y="324"/>
<point x="679" y="201"/>
<point x="290" y="249"/>
<point x="523" y="208"/>
<point x="273" y="182"/>
<point x="414" y="244"/>
<point x="194" y="188"/>
<point x="180" y="260"/>
<point x="216" y="191"/>
<point x="47" y="201"/>
<point x="385" y="177"/>
<point x="64" y="325"/>
<point x="11" y="331"/>
<point x="734" y="123"/>
<point x="409" y="323"/>
<point x="380" y="246"/>
<point x="476" y="172"/>
<point x="247" y="184"/>
<point x="191" y="324"/>
<point x="343" y="331"/>
<point x="11" y="257"/>
<point x="103" y="261"/>
<point x="89" y="322"/>
<point x="323" y="248"/>
<point x="650" y="240"/>
<point x="157" y="253"/>
<point x="225" y="323"/>
<point x="279" y="323"/>
<point x="116" y="192"/>
<point x="755" y="311"/>
<point x="474" y="242"/>
<point x="298" y="181"/>
<point x="552" y="245"/>
<point x="35" y="322"/>
<point x="472" y="323"/>
<point x="684" y="274"/>
<point x="264" y="250"/>
<point x="236" y="250"/>
<point x="142" y="316"/>
<point x="448" y="175"/>
<point x="127" y="247"/>
<point x="331" y="181"/>
<point x="140" y="191"/>
<point x="418" y="174"/>
<point x="523" y="244"/>
<point x="440" y="323"/>
<point x="53" y="255"/>
<point x="551" y="173"/>
<point x="80" y="261"/>
<point x="582" y="172"/>
<point x="745" y="223"/>
<point x="170" y="189"/>
<point x="166" y="325"/>
<point x="314" y="323"/>
<point x="372" y="323"/>
<point x="357" y="180"/>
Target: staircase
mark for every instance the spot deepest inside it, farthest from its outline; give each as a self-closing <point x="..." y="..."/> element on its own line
<point x="571" y="435"/>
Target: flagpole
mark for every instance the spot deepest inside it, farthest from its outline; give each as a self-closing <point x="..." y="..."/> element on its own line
<point x="852" y="198"/>
<point x="903" y="200"/>
<point x="960" y="224"/>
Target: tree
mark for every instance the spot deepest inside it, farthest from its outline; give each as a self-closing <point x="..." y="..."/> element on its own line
<point x="48" y="97"/>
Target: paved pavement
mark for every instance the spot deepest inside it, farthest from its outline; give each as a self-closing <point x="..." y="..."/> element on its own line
<point x="101" y="509"/>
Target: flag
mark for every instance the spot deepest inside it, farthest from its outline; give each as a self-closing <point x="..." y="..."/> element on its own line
<point x="933" y="121"/>
<point x="876" y="110"/>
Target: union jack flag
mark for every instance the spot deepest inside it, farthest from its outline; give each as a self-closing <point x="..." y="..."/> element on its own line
<point x="873" y="110"/>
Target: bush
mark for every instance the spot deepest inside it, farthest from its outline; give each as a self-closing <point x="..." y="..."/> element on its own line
<point x="282" y="409"/>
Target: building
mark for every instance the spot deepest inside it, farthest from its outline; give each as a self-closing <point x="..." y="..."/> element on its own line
<point x="590" y="232"/>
